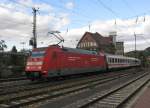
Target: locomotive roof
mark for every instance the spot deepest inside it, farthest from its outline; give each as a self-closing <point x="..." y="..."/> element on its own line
<point x="81" y="51"/>
<point x="74" y="50"/>
<point x="40" y="49"/>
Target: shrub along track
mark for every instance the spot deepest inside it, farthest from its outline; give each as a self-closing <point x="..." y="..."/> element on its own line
<point x="36" y="94"/>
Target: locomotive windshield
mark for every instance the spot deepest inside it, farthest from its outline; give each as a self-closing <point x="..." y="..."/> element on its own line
<point x="38" y="54"/>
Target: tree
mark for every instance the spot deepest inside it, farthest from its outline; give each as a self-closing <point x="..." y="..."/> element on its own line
<point x="14" y="57"/>
<point x="14" y="49"/>
<point x="2" y="45"/>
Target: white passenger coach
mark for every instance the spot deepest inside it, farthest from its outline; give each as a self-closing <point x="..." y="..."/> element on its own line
<point x="119" y="61"/>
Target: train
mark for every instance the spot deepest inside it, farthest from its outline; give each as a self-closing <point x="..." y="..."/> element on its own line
<point x="55" y="61"/>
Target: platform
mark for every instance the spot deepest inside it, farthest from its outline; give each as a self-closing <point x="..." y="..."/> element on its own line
<point x="144" y="100"/>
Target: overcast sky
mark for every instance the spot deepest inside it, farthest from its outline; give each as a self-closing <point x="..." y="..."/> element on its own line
<point x="73" y="18"/>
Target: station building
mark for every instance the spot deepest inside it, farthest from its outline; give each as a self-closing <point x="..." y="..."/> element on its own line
<point x="97" y="42"/>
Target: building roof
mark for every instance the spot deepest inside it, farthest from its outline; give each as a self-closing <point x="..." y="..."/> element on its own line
<point x="100" y="40"/>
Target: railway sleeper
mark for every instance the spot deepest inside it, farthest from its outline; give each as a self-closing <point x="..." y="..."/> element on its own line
<point x="126" y="96"/>
<point x="96" y="97"/>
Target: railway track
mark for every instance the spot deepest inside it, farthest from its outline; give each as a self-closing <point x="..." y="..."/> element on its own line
<point x="31" y="96"/>
<point x="15" y="86"/>
<point x="12" y="79"/>
<point x="12" y="84"/>
<point x="43" y="84"/>
<point x="115" y="97"/>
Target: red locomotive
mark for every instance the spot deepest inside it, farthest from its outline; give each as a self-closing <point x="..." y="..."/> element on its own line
<point x="56" y="61"/>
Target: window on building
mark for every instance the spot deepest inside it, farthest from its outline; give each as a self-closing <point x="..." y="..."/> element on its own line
<point x="80" y="45"/>
<point x="94" y="43"/>
<point x="91" y="43"/>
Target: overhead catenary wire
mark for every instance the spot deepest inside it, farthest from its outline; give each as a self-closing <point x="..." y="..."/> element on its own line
<point x="14" y="1"/>
<point x="136" y="21"/>
<point x="131" y="9"/>
<point x="148" y="42"/>
<point x="108" y="8"/>
<point x="71" y="11"/>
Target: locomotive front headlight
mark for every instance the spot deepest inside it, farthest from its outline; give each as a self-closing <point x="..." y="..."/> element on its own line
<point x="28" y="67"/>
<point x="39" y="67"/>
<point x="39" y="63"/>
<point x="44" y="72"/>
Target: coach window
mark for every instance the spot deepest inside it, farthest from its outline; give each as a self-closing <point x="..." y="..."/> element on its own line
<point x="107" y="60"/>
<point x="110" y="60"/>
<point x="115" y="60"/>
<point x="121" y="60"/>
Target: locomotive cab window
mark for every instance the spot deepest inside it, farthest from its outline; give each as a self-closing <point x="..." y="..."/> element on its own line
<point x="38" y="54"/>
